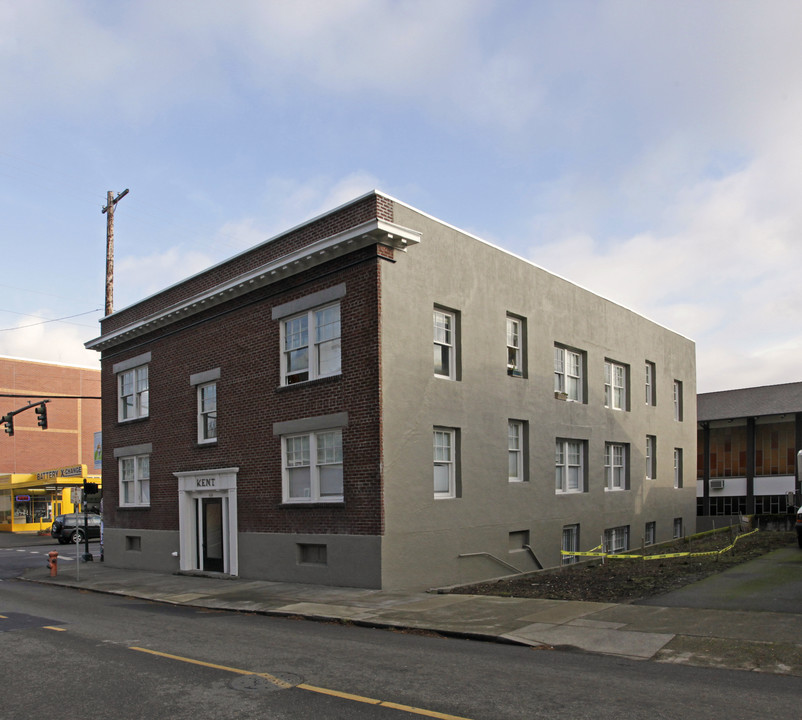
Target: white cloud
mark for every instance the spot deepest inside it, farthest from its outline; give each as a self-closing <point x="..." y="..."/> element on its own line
<point x="53" y="342"/>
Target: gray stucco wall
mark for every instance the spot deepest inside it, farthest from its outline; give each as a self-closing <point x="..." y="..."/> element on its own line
<point x="483" y="284"/>
<point x="351" y="560"/>
<point x="139" y="549"/>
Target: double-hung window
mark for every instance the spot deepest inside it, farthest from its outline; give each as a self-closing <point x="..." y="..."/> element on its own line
<point x="445" y="337"/>
<point x="568" y="373"/>
<point x="311" y="343"/>
<point x="651" y="395"/>
<point x="650" y="533"/>
<point x="678" y="400"/>
<point x="677" y="468"/>
<point x="651" y="457"/>
<point x="205" y="384"/>
<point x="615" y="385"/>
<point x="569" y="466"/>
<point x="615" y="466"/>
<point x="515" y="450"/>
<point x="616" y="539"/>
<point x="515" y="339"/>
<point x="133" y="393"/>
<point x="134" y="481"/>
<point x="445" y="470"/>
<point x="313" y="467"/>
<point x="207" y="412"/>
<point x="570" y="543"/>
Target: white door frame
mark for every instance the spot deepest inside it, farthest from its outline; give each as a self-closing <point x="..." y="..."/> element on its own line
<point x="196" y="484"/>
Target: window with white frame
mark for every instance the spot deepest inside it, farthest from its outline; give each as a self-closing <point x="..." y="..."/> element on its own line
<point x="311" y="342"/>
<point x="313" y="467"/>
<point x="516" y="431"/>
<point x="445" y="336"/>
<point x="651" y="395"/>
<point x="515" y="339"/>
<point x="678" y="400"/>
<point x="569" y="466"/>
<point x="616" y="539"/>
<point x="615" y="385"/>
<point x="445" y="468"/>
<point x="134" y="481"/>
<point x="677" y="468"/>
<point x="568" y="373"/>
<point x="133" y="393"/>
<point x="207" y="412"/>
<point x="615" y="466"/>
<point x="651" y="457"/>
<point x="678" y="528"/>
<point x="570" y="543"/>
<point x="650" y="533"/>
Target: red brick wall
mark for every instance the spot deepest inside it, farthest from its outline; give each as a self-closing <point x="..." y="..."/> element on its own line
<point x="71" y="422"/>
<point x="242" y="340"/>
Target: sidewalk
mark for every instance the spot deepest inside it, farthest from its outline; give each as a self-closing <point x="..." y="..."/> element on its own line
<point x="761" y="641"/>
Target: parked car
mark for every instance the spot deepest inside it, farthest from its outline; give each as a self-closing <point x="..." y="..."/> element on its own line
<point x="70" y="528"/>
<point x="799" y="527"/>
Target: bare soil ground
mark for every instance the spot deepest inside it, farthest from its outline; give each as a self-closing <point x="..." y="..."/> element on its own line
<point x="623" y="581"/>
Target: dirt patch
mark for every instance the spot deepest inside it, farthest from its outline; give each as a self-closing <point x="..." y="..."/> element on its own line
<point x="623" y="581"/>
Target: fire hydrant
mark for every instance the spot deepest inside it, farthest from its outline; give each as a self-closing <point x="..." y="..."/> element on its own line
<point x="52" y="562"/>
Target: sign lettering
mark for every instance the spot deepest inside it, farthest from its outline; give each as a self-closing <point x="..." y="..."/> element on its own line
<point x="204" y="482"/>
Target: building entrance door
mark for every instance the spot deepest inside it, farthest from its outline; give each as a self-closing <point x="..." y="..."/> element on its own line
<point x="210" y="542"/>
<point x="207" y="520"/>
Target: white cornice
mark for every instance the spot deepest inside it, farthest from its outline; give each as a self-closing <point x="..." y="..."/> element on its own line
<point x="372" y="232"/>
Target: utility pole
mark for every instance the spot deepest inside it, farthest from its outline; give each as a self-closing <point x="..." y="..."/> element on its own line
<point x="109" y="210"/>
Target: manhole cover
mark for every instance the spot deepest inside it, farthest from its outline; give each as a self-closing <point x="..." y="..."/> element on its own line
<point x="266" y="682"/>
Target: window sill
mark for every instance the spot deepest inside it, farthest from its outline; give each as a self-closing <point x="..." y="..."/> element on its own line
<point x="615" y="490"/>
<point x="128" y="421"/>
<point x="133" y="507"/>
<point x="207" y="444"/>
<point x="568" y="492"/>
<point x="313" y="504"/>
<point x="310" y="383"/>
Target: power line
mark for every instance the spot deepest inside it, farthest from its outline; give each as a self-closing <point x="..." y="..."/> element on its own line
<point x="44" y="322"/>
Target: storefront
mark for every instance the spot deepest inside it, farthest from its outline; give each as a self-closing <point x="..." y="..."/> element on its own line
<point x="29" y="502"/>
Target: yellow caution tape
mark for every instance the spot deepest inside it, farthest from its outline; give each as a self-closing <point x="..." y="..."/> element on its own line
<point x="621" y="556"/>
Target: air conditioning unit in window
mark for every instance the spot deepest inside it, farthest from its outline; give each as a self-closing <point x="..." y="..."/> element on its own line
<point x="716" y="484"/>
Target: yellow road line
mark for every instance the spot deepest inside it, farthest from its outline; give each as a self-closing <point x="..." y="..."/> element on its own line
<point x="303" y="686"/>
<point x="4" y="617"/>
<point x="53" y="627"/>
<point x="266" y="676"/>
<point x="337" y="693"/>
<point x="421" y="711"/>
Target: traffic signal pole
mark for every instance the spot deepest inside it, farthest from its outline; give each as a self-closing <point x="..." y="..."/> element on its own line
<point x="41" y="411"/>
<point x="87" y="554"/>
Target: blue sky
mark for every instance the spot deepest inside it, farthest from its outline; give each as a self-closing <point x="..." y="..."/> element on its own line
<point x="649" y="151"/>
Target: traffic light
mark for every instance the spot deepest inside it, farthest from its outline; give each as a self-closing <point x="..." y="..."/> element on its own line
<point x="41" y="411"/>
<point x="9" y="421"/>
<point x="90" y="488"/>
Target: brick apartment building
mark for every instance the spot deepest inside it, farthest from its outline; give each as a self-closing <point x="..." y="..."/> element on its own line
<point x="377" y="399"/>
